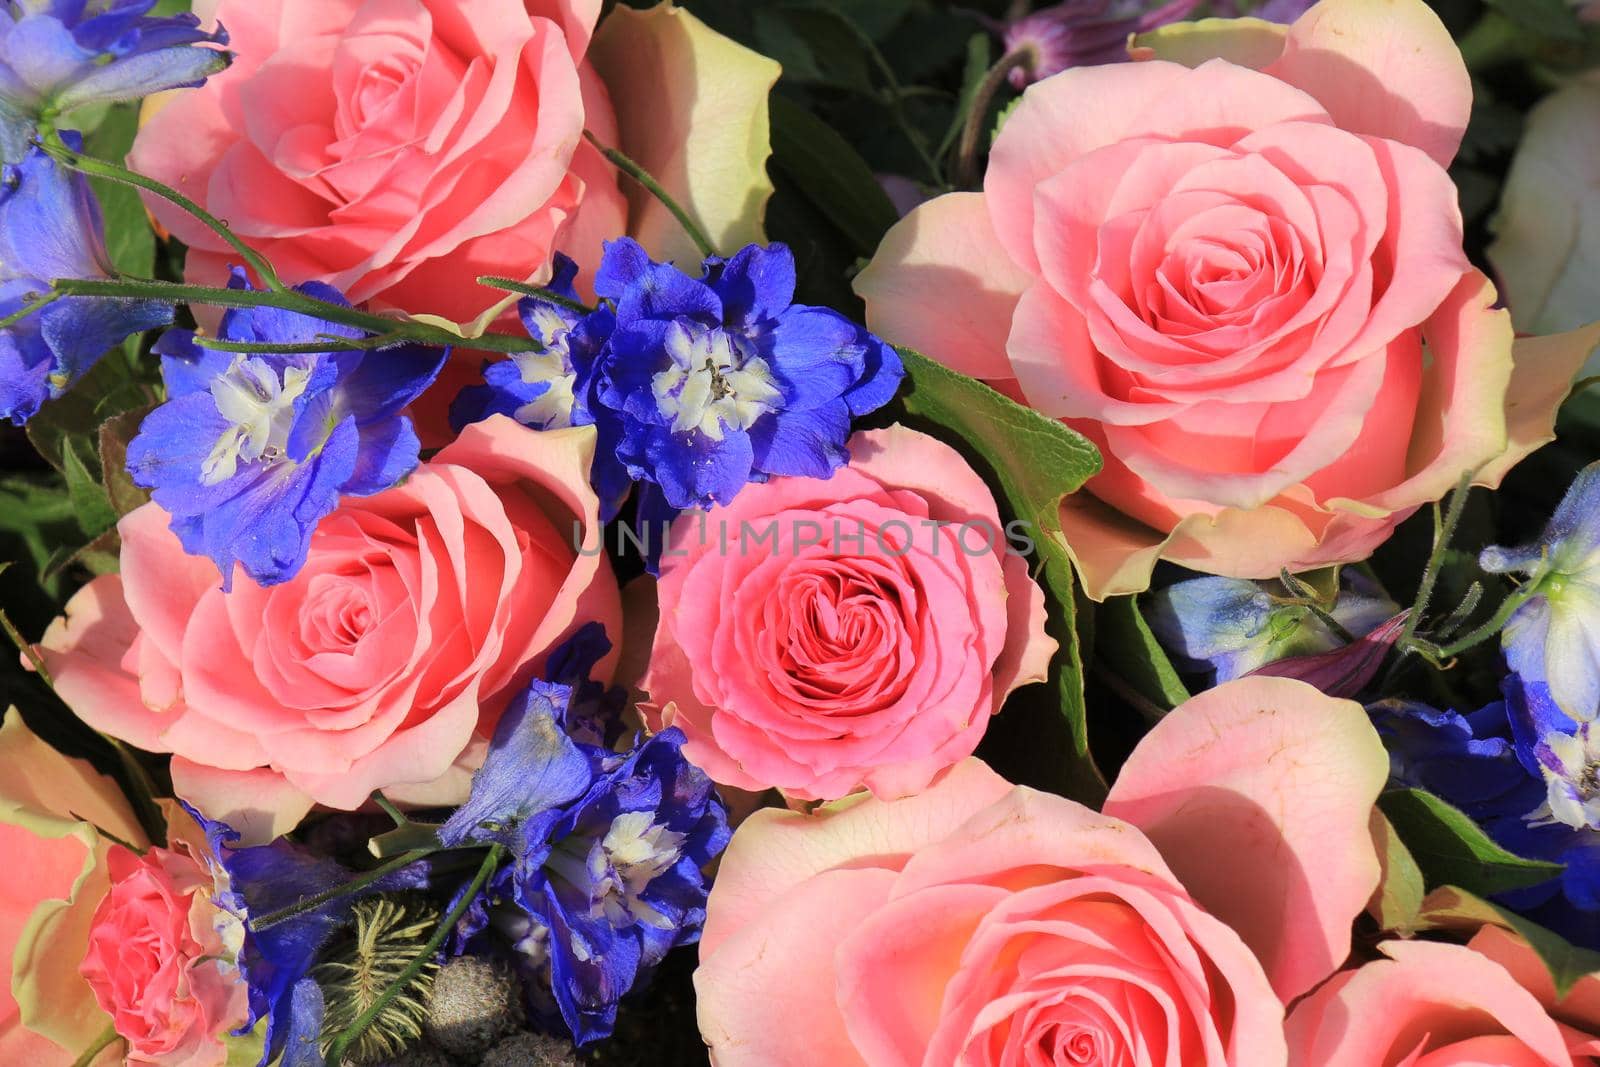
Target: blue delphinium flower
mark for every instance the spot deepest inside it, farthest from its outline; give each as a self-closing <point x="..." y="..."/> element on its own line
<point x="250" y="451"/>
<point x="1233" y="627"/>
<point x="723" y="380"/>
<point x="58" y="55"/>
<point x="1554" y="638"/>
<point x="1524" y="772"/>
<point x="608" y="854"/>
<point x="276" y="962"/>
<point x="51" y="227"/>
<point x="554" y="388"/>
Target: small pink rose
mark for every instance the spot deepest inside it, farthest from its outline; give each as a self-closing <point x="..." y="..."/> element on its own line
<point x="382" y="665"/>
<point x="824" y="635"/>
<point x="988" y="925"/>
<point x="1443" y="1005"/>
<point x="1245" y="283"/>
<point x="157" y="962"/>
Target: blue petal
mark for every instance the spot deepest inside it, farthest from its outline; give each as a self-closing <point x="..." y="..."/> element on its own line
<point x="695" y="470"/>
<point x="880" y="378"/>
<point x="50" y="223"/>
<point x="532" y="767"/>
<point x="803" y="444"/>
<point x="385" y="381"/>
<point x="756" y="285"/>
<point x="622" y="263"/>
<point x="187" y="367"/>
<point x="1533" y="715"/>
<point x="24" y="374"/>
<point x="389" y="451"/>
<point x="140" y="75"/>
<point x="302" y="1046"/>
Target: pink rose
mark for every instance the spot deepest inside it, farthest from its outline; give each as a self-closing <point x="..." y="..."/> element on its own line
<point x="1442" y="1005"/>
<point x="1245" y="285"/>
<point x="820" y="636"/>
<point x="995" y="926"/>
<point x="157" y="962"/>
<point x="50" y="806"/>
<point x="397" y="149"/>
<point x="383" y="664"/>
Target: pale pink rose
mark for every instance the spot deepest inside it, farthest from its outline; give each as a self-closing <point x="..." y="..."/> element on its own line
<point x="158" y="964"/>
<point x="53" y="865"/>
<point x="397" y="149"/>
<point x="1441" y="1005"/>
<point x="990" y="925"/>
<point x="824" y="635"/>
<point x="1246" y="286"/>
<point x="383" y="664"/>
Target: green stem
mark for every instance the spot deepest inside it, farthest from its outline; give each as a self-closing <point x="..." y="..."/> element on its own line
<point x="389" y="808"/>
<point x="311" y="903"/>
<point x="642" y="176"/>
<point x="1494" y="625"/>
<point x="287" y="300"/>
<point x="336" y="1051"/>
<point x="1443" y="532"/>
<point x="967" y="176"/>
<point x="323" y="343"/>
<point x="43" y="301"/>
<point x="101" y="1043"/>
<point x="511" y="285"/>
<point x="100" y="168"/>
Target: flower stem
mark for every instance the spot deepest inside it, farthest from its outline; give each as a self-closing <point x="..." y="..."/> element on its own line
<point x="42" y="301"/>
<point x="511" y="285"/>
<point x="336" y="1051"/>
<point x="360" y="882"/>
<point x="106" y="1039"/>
<point x="1492" y="626"/>
<point x="1444" y="530"/>
<point x="967" y="176"/>
<point x="287" y="300"/>
<point x="100" y="168"/>
<point x="642" y="176"/>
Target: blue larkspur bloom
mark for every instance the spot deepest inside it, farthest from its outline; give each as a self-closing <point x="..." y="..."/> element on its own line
<point x="1232" y="627"/>
<point x="1554" y="638"/>
<point x="554" y="388"/>
<point x="276" y="962"/>
<point x="1524" y="771"/>
<point x="250" y="451"/>
<point x="608" y="855"/>
<point x="59" y="55"/>
<point x="51" y="227"/>
<point x="723" y="380"/>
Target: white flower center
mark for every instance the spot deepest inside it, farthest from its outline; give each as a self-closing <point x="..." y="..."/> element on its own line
<point x="1572" y="776"/>
<point x="259" y="406"/>
<point x="551" y="409"/>
<point x="711" y="386"/>
<point x="635" y="852"/>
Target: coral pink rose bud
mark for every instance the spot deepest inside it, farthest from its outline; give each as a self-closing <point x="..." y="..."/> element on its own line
<point x="382" y="665"/>
<point x="157" y="961"/>
<point x="989" y="925"/>
<point x="824" y="635"/>
<point x="1433" y="1003"/>
<point x="1244" y="281"/>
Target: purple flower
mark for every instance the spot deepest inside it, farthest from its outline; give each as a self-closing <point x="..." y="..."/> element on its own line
<point x="50" y="227"/>
<point x="59" y="55"/>
<point x="722" y="380"/>
<point x="251" y="451"/>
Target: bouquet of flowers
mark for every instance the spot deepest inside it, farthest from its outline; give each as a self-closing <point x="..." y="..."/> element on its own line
<point x="795" y="532"/>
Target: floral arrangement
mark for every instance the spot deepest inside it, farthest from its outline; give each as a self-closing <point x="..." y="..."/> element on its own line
<point x="893" y="534"/>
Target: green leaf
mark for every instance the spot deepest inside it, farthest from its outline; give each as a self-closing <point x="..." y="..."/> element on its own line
<point x="1036" y="461"/>
<point x="1452" y="908"/>
<point x="108" y="388"/>
<point x="1397" y="905"/>
<point x="1451" y="849"/>
<point x="1555" y="19"/>
<point x="129" y="239"/>
<point x="115" y="433"/>
<point x="816" y="46"/>
<point x="1130" y="651"/>
<point x="831" y="175"/>
<point x="89" y="501"/>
